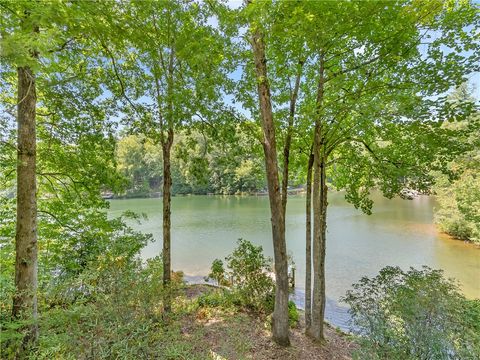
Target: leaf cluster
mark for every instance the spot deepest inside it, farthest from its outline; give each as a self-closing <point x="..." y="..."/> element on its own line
<point x="414" y="314"/>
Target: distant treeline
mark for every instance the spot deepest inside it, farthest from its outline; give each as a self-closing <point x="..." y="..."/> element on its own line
<point x="199" y="166"/>
<point x="458" y="191"/>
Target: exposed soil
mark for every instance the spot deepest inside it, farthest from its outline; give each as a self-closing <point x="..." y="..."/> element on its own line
<point x="228" y="334"/>
<point x="194" y="291"/>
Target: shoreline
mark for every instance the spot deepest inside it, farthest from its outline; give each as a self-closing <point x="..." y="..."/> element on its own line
<point x="336" y="316"/>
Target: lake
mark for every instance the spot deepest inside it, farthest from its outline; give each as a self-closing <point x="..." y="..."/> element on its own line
<point x="399" y="232"/>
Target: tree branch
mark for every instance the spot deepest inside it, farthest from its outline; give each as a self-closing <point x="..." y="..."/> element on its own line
<point x="117" y="75"/>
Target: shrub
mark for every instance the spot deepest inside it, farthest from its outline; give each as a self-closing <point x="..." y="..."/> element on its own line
<point x="217" y="272"/>
<point x="216" y="298"/>
<point x="116" y="313"/>
<point x="416" y="314"/>
<point x="293" y="316"/>
<point x="249" y="273"/>
<point x="100" y="278"/>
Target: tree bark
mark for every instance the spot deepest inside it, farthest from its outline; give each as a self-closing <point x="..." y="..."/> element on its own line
<point x="308" y="247"/>
<point x="25" y="298"/>
<point x="167" y="199"/>
<point x="319" y="215"/>
<point x="288" y="140"/>
<point x="319" y="243"/>
<point x="167" y="143"/>
<point x="280" y="315"/>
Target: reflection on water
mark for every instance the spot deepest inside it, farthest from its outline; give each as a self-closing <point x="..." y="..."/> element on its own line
<point x="400" y="232"/>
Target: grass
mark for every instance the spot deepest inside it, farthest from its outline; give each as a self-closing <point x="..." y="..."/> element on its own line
<point x="204" y="324"/>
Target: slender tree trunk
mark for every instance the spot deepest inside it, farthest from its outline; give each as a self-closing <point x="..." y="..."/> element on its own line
<point x="288" y="140"/>
<point x="319" y="216"/>
<point x="286" y="161"/>
<point x="308" y="247"/>
<point x="280" y="315"/>
<point x="25" y="299"/>
<point x="167" y="176"/>
<point x="167" y="199"/>
<point x="319" y="243"/>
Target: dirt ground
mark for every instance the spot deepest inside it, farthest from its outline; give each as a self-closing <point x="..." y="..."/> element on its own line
<point x="222" y="334"/>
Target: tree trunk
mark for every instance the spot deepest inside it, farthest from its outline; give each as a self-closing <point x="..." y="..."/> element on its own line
<point x="288" y="140"/>
<point x="308" y="247"/>
<point x="319" y="215"/>
<point x="167" y="199"/>
<point x="286" y="161"/>
<point x="280" y="315"/>
<point x="319" y="243"/>
<point x="25" y="299"/>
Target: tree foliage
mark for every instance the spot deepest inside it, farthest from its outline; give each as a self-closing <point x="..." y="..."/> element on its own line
<point x="458" y="191"/>
<point x="414" y="314"/>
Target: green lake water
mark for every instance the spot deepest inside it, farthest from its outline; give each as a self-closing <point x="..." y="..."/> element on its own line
<point x="399" y="232"/>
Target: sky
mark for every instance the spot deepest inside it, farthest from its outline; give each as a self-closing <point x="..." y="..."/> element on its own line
<point x="474" y="79"/>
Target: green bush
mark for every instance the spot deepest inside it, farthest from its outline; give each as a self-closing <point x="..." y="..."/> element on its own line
<point x="116" y="313"/>
<point x="217" y="272"/>
<point x="217" y="298"/>
<point x="120" y="320"/>
<point x="248" y="271"/>
<point x="88" y="283"/>
<point x="293" y="316"/>
<point x="416" y="314"/>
